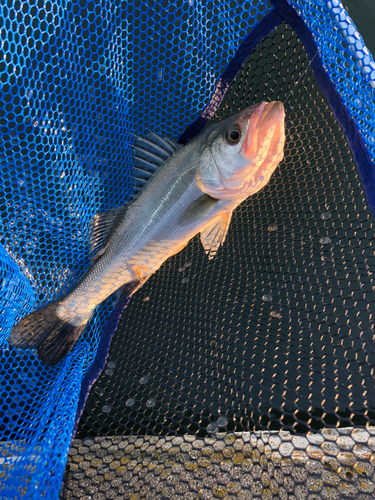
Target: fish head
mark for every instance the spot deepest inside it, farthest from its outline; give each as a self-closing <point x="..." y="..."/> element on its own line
<point x="240" y="154"/>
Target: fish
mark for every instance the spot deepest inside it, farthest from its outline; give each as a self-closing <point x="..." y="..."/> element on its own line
<point x="182" y="191"/>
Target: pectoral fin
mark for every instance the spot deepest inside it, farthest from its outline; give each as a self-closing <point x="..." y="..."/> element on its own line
<point x="214" y="235"/>
<point x="197" y="210"/>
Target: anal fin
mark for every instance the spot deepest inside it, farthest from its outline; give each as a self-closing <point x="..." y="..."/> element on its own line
<point x="214" y="234"/>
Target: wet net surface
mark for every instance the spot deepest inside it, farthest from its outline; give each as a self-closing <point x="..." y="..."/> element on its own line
<point x="330" y="465"/>
<point x="274" y="335"/>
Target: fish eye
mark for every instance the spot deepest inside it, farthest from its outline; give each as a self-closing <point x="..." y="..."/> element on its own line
<point x="233" y="134"/>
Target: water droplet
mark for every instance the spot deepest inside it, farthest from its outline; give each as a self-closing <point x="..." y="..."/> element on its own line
<point x="324" y="240"/>
<point x="109" y="372"/>
<point x="212" y="428"/>
<point x="78" y="474"/>
<point x="273" y="227"/>
<point x="144" y="379"/>
<point x="99" y="391"/>
<point x="106" y="408"/>
<point x="188" y="264"/>
<point x="222" y="421"/>
<point x="103" y="469"/>
<point x="88" y="441"/>
<point x="358" y="103"/>
<point x="185" y="280"/>
<point x="146" y="299"/>
<point x="275" y="314"/>
<point x="160" y="75"/>
<point x="267" y="297"/>
<point x="325" y="215"/>
<point x="181" y="269"/>
<point x="111" y="364"/>
<point x="130" y="402"/>
<point x="150" y="403"/>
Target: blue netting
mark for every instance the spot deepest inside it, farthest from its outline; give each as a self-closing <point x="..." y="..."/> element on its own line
<point x="346" y="59"/>
<point x="77" y="81"/>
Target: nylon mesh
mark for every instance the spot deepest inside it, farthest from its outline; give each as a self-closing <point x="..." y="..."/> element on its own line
<point x="77" y="80"/>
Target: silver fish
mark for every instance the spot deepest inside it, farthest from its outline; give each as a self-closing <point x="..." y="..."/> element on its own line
<point x="194" y="190"/>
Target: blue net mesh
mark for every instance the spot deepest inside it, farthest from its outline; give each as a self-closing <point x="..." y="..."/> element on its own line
<point x="346" y="59"/>
<point x="77" y="80"/>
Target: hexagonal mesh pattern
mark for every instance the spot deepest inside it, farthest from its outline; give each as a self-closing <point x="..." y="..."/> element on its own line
<point x="291" y="347"/>
<point x="332" y="464"/>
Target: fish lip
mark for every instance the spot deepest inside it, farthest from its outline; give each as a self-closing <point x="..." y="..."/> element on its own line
<point x="265" y="112"/>
<point x="246" y="113"/>
<point x="274" y="110"/>
<point x="272" y="107"/>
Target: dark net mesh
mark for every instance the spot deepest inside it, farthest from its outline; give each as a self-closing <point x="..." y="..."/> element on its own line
<point x="250" y="376"/>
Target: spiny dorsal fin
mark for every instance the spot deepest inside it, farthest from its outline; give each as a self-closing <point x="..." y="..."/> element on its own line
<point x="197" y="210"/>
<point x="101" y="226"/>
<point x="149" y="154"/>
<point x="163" y="142"/>
<point x="214" y="235"/>
<point x="148" y="146"/>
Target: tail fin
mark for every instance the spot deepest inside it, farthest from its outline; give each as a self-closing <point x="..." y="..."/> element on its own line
<point x="45" y="331"/>
<point x="52" y="336"/>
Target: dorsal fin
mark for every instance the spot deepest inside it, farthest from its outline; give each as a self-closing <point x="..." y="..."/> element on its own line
<point x="163" y="142"/>
<point x="101" y="226"/>
<point x="152" y="147"/>
<point x="150" y="153"/>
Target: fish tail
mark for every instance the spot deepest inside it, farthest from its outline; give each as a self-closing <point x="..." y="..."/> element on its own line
<point x="45" y="331"/>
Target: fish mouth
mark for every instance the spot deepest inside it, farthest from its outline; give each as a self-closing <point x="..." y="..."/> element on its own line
<point x="265" y="119"/>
